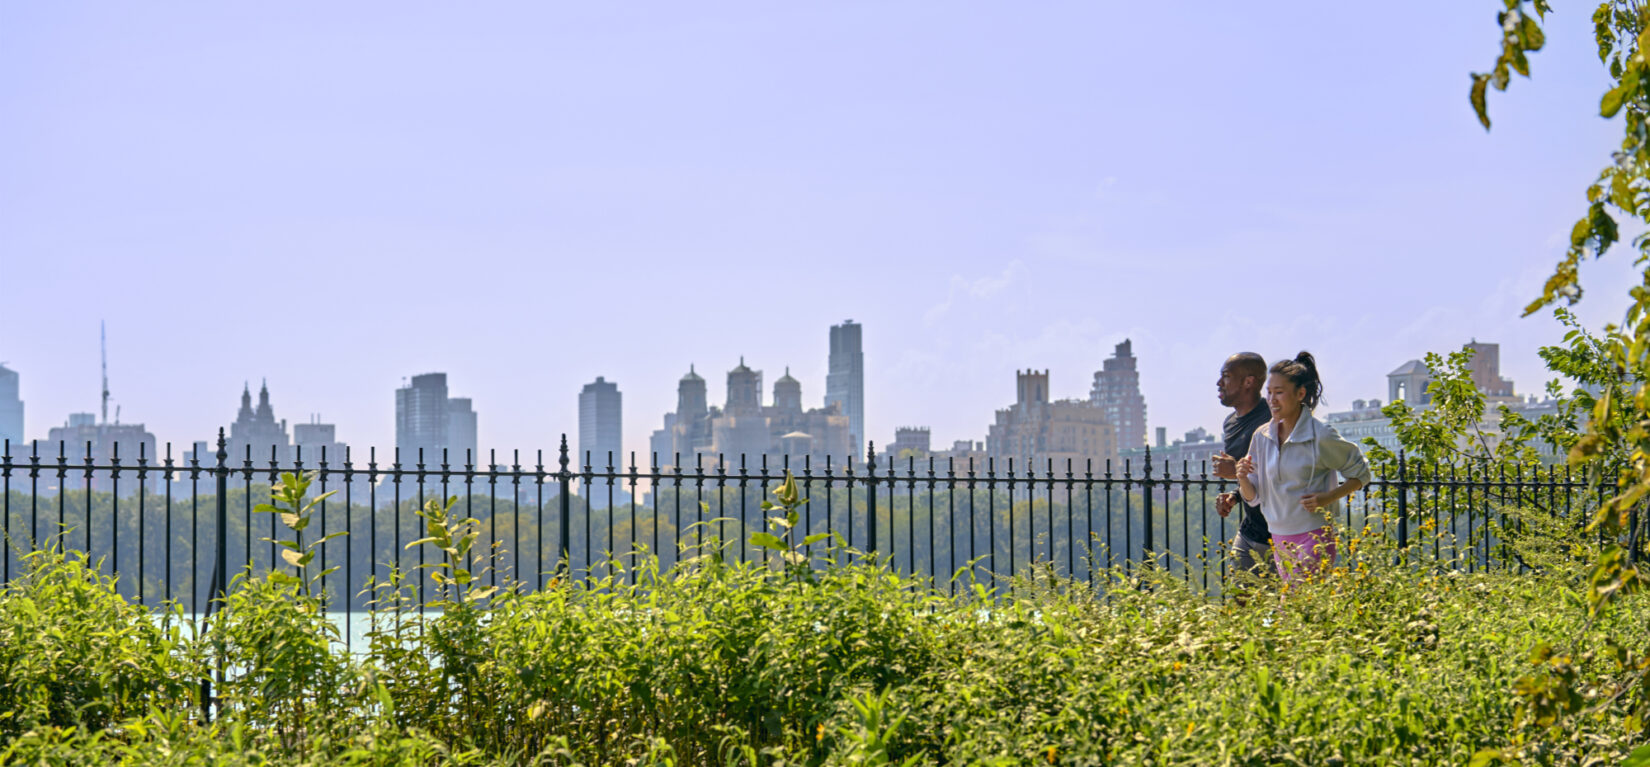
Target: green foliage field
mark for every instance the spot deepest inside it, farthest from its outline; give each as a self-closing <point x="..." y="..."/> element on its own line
<point x="723" y="662"/>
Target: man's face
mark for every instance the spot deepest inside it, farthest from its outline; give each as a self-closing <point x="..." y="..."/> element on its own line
<point x="1229" y="385"/>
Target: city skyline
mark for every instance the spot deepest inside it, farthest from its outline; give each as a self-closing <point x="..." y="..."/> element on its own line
<point x="986" y="190"/>
<point x="453" y="420"/>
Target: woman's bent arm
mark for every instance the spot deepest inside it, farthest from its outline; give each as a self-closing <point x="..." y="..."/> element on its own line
<point x="1335" y="452"/>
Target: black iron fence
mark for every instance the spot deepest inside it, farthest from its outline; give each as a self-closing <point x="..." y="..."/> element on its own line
<point x="168" y="527"/>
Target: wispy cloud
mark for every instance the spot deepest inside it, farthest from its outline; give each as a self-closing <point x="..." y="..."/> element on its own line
<point x="975" y="291"/>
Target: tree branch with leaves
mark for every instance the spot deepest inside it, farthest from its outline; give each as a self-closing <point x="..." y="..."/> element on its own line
<point x="1615" y="447"/>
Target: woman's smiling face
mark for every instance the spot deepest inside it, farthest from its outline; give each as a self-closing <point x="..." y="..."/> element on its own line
<point x="1283" y="396"/>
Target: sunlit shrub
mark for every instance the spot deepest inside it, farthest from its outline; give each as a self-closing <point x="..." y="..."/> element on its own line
<point x="73" y="653"/>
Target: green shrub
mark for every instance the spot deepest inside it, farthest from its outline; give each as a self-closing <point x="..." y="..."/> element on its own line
<point x="287" y="676"/>
<point x="720" y="662"/>
<point x="716" y="662"/>
<point x="73" y="653"/>
<point x="159" y="741"/>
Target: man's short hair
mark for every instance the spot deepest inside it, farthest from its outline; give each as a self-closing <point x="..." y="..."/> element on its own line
<point x="1248" y="364"/>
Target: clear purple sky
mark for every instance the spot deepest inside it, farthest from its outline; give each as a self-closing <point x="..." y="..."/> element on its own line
<point x="526" y="195"/>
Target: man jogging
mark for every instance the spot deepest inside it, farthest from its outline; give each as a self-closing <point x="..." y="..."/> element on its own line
<point x="1241" y="380"/>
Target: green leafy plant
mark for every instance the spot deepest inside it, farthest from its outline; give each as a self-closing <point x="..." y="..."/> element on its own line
<point x="275" y="636"/>
<point x="296" y="513"/>
<point x="1371" y="663"/>
<point x="455" y="537"/>
<point x="73" y="653"/>
<point x="783" y="518"/>
<point x="286" y="677"/>
<point x="1615" y="448"/>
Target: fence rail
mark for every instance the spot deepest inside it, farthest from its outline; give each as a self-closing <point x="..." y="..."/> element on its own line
<point x="166" y="526"/>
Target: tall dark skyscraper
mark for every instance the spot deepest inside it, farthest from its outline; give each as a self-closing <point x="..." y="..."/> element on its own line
<point x="11" y="407"/>
<point x="1117" y="392"/>
<point x="425" y="417"/>
<point x="601" y="427"/>
<point x="845" y="381"/>
<point x="421" y="418"/>
<point x="601" y="424"/>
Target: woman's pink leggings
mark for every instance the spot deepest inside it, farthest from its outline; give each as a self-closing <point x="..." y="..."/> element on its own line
<point x="1303" y="553"/>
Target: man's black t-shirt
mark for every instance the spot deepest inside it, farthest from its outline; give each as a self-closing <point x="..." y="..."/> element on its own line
<point x="1239" y="430"/>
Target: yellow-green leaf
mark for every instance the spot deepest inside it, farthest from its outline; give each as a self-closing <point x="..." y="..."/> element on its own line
<point x="767" y="541"/>
<point x="1620" y="193"/>
<point x="1611" y="103"/>
<point x="1532" y="34"/>
<point x="1480" y="87"/>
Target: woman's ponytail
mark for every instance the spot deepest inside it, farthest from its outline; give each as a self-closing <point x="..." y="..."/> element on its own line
<point x="1302" y="371"/>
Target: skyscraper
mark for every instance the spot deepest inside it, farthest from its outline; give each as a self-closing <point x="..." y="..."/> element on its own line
<point x="421" y="418"/>
<point x="425" y="417"/>
<point x="1117" y="392"/>
<point x="845" y="380"/>
<point x="11" y="407"/>
<point x="461" y="432"/>
<point x="601" y="424"/>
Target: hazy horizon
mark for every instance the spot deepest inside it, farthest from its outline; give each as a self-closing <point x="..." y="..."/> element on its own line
<point x="526" y="197"/>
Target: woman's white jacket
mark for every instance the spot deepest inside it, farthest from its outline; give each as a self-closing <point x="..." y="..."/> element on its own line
<point x="1307" y="463"/>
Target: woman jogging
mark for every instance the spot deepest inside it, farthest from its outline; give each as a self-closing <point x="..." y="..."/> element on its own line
<point x="1291" y="468"/>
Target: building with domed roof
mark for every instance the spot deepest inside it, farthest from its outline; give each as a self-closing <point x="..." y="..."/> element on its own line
<point x="742" y="428"/>
<point x="745" y="426"/>
<point x="796" y="433"/>
<point x="787" y="393"/>
<point x="744" y="390"/>
<point x="690" y="425"/>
